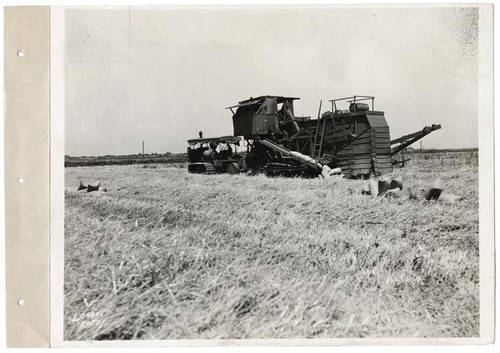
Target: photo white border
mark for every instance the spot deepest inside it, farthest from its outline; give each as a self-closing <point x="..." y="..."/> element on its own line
<point x="486" y="175"/>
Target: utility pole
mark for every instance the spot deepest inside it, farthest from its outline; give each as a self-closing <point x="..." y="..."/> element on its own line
<point x="143" y="148"/>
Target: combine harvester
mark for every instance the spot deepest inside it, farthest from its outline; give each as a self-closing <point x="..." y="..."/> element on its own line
<point x="355" y="141"/>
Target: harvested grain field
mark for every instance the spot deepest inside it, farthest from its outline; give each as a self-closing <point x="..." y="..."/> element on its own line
<point x="165" y="254"/>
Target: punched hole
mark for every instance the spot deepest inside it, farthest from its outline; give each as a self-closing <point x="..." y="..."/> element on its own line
<point x="20" y="53"/>
<point x="20" y="302"/>
<point x="20" y="180"/>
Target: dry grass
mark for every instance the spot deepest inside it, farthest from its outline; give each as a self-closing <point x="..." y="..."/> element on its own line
<point x="170" y="255"/>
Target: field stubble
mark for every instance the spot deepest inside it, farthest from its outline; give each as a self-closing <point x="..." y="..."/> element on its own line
<point x="169" y="255"/>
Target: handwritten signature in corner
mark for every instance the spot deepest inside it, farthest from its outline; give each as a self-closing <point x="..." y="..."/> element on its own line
<point x="88" y="319"/>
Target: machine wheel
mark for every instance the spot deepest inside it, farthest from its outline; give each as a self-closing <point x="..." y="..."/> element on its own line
<point x="233" y="168"/>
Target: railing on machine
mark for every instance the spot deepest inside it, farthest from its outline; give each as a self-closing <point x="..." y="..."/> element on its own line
<point x="352" y="99"/>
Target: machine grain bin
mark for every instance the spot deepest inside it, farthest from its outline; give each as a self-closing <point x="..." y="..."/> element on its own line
<point x="358" y="139"/>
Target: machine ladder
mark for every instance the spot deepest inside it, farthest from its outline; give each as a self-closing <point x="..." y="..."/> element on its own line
<point x="318" y="138"/>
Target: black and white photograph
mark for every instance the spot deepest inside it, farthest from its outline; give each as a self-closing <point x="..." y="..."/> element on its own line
<point x="273" y="172"/>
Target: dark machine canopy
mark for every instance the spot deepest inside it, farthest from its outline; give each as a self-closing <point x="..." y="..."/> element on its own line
<point x="263" y="115"/>
<point x="258" y="100"/>
<point x="223" y="139"/>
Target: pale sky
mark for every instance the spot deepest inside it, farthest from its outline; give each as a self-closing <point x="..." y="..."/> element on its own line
<point x="162" y="75"/>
